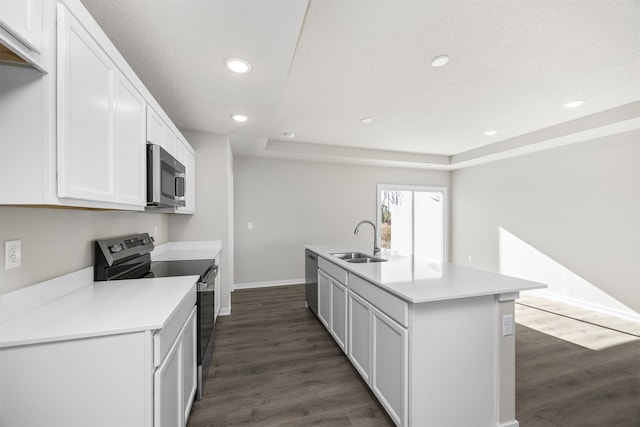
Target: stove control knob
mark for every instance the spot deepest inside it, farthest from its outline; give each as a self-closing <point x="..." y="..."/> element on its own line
<point x="115" y="248"/>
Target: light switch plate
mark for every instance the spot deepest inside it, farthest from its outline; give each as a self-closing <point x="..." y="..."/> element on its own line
<point x="12" y="254"/>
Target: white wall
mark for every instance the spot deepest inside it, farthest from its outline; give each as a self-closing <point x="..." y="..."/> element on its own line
<point x="293" y="203"/>
<point x="211" y="220"/>
<point x="60" y="241"/>
<point x="577" y="207"/>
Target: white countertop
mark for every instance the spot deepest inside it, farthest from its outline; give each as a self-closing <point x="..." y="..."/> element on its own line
<point x="173" y="251"/>
<point x="418" y="280"/>
<point x="101" y="308"/>
<point x="74" y="306"/>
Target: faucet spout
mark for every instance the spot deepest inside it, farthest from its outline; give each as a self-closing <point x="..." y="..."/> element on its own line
<point x="376" y="249"/>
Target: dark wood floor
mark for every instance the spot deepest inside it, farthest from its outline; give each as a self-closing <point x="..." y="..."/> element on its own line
<point x="275" y="365"/>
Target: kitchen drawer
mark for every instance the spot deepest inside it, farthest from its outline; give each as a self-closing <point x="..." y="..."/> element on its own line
<point x="333" y="270"/>
<point x="165" y="337"/>
<point x="389" y="304"/>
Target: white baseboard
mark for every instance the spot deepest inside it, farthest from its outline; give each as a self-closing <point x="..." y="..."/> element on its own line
<point x="269" y="284"/>
<point x="225" y="311"/>
<point x="513" y="423"/>
<point x="633" y="317"/>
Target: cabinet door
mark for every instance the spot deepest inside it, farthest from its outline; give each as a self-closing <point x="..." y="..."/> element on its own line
<point x="86" y="143"/>
<point x="189" y="365"/>
<point x="23" y="19"/>
<point x="324" y="299"/>
<point x="390" y="372"/>
<point x="339" y="314"/>
<point x="167" y="390"/>
<point x="169" y="141"/>
<point x="130" y="125"/>
<point x="154" y="127"/>
<point x="187" y="158"/>
<point x="359" y="334"/>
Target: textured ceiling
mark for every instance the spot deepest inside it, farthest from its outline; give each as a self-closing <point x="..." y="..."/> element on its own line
<point x="320" y="66"/>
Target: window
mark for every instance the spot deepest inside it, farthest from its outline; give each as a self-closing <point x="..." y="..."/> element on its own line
<point x="413" y="220"/>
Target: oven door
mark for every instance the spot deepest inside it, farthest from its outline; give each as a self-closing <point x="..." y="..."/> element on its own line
<point x="206" y="334"/>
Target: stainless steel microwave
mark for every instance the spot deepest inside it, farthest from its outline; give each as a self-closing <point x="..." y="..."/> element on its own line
<point x="165" y="179"/>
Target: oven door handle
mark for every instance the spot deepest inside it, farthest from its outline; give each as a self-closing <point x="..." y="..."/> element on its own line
<point x="205" y="286"/>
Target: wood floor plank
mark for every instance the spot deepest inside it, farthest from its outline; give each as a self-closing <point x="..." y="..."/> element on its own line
<point x="275" y="365"/>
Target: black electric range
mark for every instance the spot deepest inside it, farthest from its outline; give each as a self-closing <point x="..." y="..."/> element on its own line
<point x="129" y="257"/>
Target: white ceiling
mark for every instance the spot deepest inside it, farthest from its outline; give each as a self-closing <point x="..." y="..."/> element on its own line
<point x="319" y="66"/>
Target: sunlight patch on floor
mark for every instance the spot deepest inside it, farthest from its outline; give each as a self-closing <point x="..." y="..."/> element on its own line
<point x="584" y="334"/>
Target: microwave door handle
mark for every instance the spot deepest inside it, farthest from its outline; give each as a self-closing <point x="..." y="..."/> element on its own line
<point x="180" y="195"/>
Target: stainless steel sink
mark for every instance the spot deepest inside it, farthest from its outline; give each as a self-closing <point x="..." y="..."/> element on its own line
<point x="358" y="257"/>
<point x="350" y="255"/>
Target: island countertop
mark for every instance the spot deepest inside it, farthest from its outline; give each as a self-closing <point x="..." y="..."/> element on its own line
<point x="418" y="280"/>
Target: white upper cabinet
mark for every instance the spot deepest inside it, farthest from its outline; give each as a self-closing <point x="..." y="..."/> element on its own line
<point x="131" y="146"/>
<point x="77" y="134"/>
<point x="86" y="92"/>
<point x="160" y="133"/>
<point x="101" y="123"/>
<point x="21" y="32"/>
<point x="155" y="127"/>
<point x="23" y="19"/>
<point x="169" y="141"/>
<point x="188" y="159"/>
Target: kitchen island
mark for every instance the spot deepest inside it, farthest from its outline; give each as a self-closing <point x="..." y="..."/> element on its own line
<point x="434" y="341"/>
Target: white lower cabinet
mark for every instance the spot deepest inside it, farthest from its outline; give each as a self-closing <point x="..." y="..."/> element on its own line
<point x="359" y="333"/>
<point x="332" y="308"/>
<point x="378" y="348"/>
<point x="372" y="327"/>
<point x="167" y="391"/>
<point x="324" y="299"/>
<point x="103" y="381"/>
<point x="339" y="314"/>
<point x="174" y="384"/>
<point x="389" y="374"/>
<point x="189" y="366"/>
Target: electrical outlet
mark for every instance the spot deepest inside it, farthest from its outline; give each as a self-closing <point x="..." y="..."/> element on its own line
<point x="507" y="325"/>
<point x="12" y="254"/>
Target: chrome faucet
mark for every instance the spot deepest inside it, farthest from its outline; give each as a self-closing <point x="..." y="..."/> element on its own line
<point x="376" y="249"/>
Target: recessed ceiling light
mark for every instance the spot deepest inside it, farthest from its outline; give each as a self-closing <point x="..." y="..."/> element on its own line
<point x="237" y="65"/>
<point x="239" y="117"/>
<point x="440" y="61"/>
<point x="491" y="132"/>
<point x="574" y="104"/>
<point x="366" y="120"/>
<point x="289" y="135"/>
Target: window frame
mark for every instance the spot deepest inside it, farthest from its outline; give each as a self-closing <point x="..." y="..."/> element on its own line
<point x="413" y="188"/>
